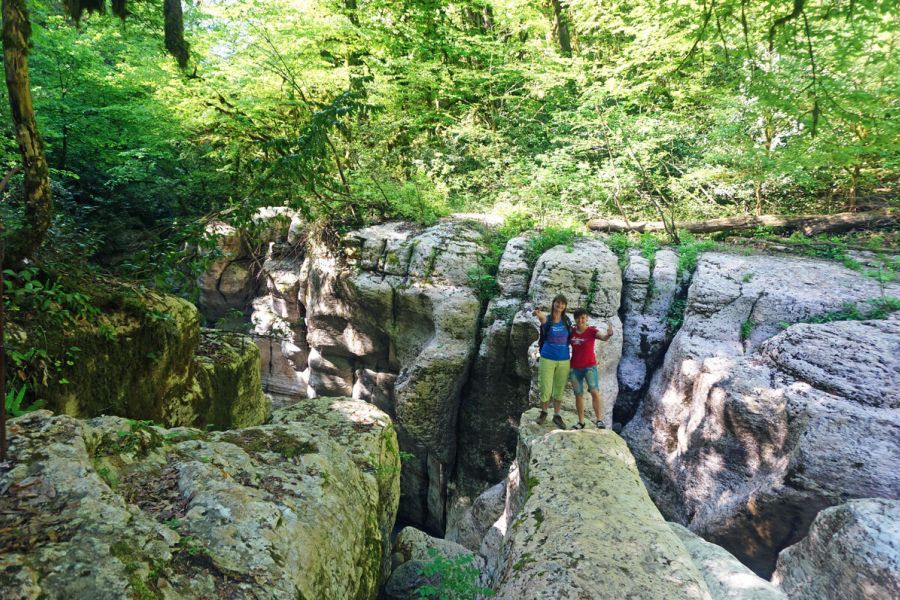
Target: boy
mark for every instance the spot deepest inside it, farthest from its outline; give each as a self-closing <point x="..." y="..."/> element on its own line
<point x="584" y="366"/>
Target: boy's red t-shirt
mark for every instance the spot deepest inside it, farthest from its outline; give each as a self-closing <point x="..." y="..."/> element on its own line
<point x="583" y="348"/>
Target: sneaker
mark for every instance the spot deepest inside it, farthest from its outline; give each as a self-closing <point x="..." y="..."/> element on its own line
<point x="600" y="424"/>
<point x="541" y="418"/>
<point x="578" y="425"/>
<point x="557" y="420"/>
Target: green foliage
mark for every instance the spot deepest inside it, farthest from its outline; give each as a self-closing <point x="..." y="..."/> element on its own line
<point x="688" y="250"/>
<point x="675" y="315"/>
<point x="547" y="238"/>
<point x="14" y="399"/>
<point x="457" y="578"/>
<point x="649" y="245"/>
<point x="747" y="329"/>
<point x="484" y="277"/>
<point x="29" y="291"/>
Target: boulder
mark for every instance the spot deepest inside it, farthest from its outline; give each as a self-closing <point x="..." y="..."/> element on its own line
<point x="725" y="576"/>
<point x="145" y="358"/>
<point x="229" y="281"/>
<point x="649" y="289"/>
<point x="744" y="438"/>
<point x="111" y="508"/>
<point x="852" y="552"/>
<point x="225" y="391"/>
<point x="581" y="525"/>
<point x="392" y="318"/>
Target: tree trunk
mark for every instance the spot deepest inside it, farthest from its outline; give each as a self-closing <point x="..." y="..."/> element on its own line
<point x="561" y="28"/>
<point x="808" y="224"/>
<point x="174" y="31"/>
<point x="38" y="198"/>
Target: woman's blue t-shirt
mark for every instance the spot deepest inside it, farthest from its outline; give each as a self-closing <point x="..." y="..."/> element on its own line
<point x="556" y="342"/>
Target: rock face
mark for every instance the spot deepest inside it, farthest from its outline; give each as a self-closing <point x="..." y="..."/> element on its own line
<point x="497" y="391"/>
<point x="588" y="275"/>
<point x="472" y="525"/>
<point x="581" y="524"/>
<point x="725" y="576"/>
<point x="745" y="438"/>
<point x="852" y="552"/>
<point x="648" y="293"/>
<point x="393" y="322"/>
<point x="106" y="509"/>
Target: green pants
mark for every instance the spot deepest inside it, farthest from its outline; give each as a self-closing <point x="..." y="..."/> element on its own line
<point x="552" y="376"/>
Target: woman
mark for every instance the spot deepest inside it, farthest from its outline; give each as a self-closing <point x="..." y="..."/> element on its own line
<point x="553" y="368"/>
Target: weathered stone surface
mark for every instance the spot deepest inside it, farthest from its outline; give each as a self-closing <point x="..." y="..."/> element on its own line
<point x="583" y="526"/>
<point x="852" y="552"/>
<point x="469" y="528"/>
<point x="497" y="390"/>
<point x="725" y="576"/>
<point x="225" y="390"/>
<point x="647" y="298"/>
<point x="392" y="319"/>
<point x="745" y="440"/>
<point x="103" y="509"/>
<point x="280" y="328"/>
<point x="229" y="282"/>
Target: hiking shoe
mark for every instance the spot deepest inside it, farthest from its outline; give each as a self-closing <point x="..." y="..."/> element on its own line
<point x="578" y="425"/>
<point x="557" y="420"/>
<point x="541" y="418"/>
<point x="600" y="424"/>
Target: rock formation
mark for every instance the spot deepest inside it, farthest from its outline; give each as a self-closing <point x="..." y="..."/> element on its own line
<point x="579" y="524"/>
<point x="649" y="289"/>
<point x="852" y="552"/>
<point x="109" y="509"/>
<point x="745" y="438"/>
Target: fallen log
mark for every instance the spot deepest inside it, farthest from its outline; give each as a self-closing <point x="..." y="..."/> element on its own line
<point x="808" y="224"/>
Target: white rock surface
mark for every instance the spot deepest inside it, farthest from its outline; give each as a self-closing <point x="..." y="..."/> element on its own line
<point x="744" y="439"/>
<point x="725" y="576"/>
<point x="852" y="552"/>
<point x="581" y="525"/>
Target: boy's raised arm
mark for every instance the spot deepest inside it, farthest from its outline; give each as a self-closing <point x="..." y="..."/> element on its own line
<point x="607" y="335"/>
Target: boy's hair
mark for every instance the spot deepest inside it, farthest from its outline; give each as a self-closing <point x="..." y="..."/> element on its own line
<point x="578" y="312"/>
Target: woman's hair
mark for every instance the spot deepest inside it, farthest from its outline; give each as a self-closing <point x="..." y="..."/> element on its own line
<point x="562" y="299"/>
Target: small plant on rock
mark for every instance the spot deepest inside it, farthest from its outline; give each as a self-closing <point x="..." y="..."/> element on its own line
<point x="456" y="578"/>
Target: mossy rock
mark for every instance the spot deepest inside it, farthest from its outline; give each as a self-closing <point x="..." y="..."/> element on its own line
<point x="225" y="391"/>
<point x="130" y="362"/>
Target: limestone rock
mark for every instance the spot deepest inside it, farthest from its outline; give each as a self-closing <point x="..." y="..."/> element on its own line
<point x="226" y="390"/>
<point x="745" y="438"/>
<point x="852" y="552"/>
<point x="469" y="528"/>
<point x="391" y="318"/>
<point x="229" y="281"/>
<point x="725" y="576"/>
<point x="583" y="525"/>
<point x="498" y="385"/>
<point x="647" y="298"/>
<point x="109" y="508"/>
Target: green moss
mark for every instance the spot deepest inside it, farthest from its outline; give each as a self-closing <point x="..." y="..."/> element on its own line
<point x="142" y="587"/>
<point x="270" y="440"/>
